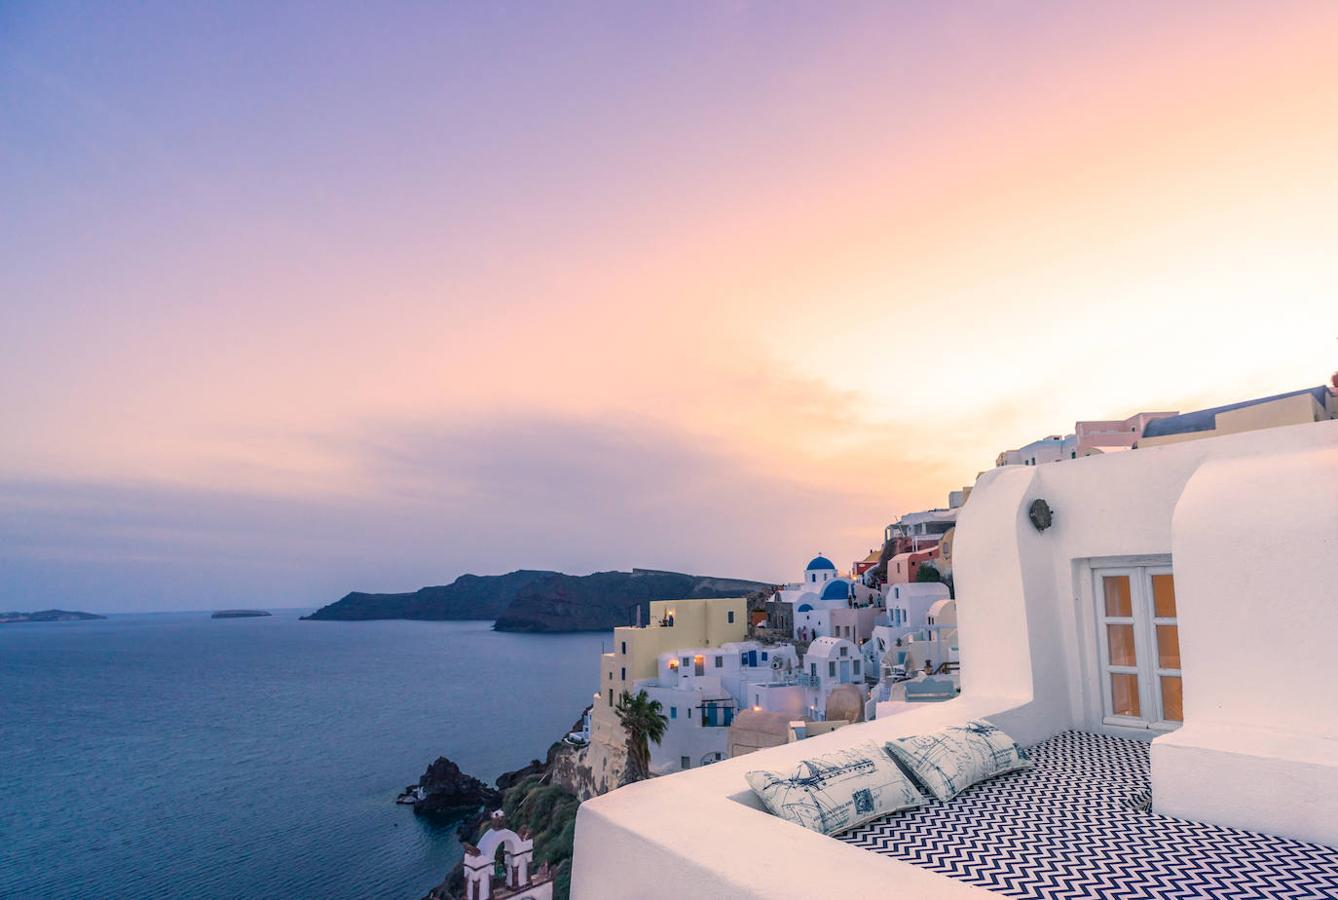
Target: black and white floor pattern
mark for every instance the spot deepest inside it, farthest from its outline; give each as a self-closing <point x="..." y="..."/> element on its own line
<point x="1074" y="827"/>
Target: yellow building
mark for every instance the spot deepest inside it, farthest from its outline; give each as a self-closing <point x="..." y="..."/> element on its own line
<point x="1295" y="408"/>
<point x="674" y="625"/>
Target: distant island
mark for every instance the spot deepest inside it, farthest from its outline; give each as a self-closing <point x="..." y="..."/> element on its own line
<point x="47" y="615"/>
<point x="238" y="614"/>
<point x="537" y="601"/>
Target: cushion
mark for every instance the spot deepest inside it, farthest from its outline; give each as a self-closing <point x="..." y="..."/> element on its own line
<point x="948" y="762"/>
<point x="836" y="791"/>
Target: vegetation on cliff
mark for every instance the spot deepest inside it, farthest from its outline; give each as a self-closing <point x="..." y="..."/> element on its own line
<point x="529" y="798"/>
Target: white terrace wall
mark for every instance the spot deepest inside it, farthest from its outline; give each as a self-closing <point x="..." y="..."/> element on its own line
<point x="1027" y="638"/>
<point x="1259" y="749"/>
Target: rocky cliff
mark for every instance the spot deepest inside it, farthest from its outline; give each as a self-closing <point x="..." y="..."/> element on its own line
<point x="468" y="597"/>
<point x="536" y="601"/>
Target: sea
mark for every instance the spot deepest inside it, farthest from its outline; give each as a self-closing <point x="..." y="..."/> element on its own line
<point x="175" y="755"/>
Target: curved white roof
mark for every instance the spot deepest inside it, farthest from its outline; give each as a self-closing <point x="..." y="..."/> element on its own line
<point x="830" y="646"/>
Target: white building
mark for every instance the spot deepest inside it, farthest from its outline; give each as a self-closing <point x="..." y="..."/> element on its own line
<point x="700" y="689"/>
<point x="829" y="663"/>
<point x="908" y="604"/>
<point x="922" y="530"/>
<point x="1133" y="613"/>
<point x="818" y="572"/>
<point x="515" y="851"/>
<point x="813" y="612"/>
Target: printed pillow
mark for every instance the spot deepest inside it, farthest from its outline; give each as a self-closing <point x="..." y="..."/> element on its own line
<point x="950" y="761"/>
<point x="836" y="791"/>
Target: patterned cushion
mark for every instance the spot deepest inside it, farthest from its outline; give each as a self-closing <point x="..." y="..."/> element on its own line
<point x="950" y="761"/>
<point x="837" y="791"/>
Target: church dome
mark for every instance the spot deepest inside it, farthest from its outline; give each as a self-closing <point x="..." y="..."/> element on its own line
<point x="836" y="589"/>
<point x="820" y="562"/>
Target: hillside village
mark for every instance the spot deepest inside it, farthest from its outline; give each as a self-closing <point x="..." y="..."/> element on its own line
<point x="707" y="680"/>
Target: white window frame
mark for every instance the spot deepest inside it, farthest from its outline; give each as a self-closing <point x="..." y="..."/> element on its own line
<point x="1148" y="670"/>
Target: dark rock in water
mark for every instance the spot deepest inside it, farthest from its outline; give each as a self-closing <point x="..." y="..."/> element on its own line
<point x="445" y="791"/>
<point x="239" y="614"/>
<point x="47" y="615"/>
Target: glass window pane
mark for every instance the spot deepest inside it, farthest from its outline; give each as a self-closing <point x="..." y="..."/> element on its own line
<point x="1124" y="694"/>
<point x="1118" y="601"/>
<point x="1168" y="646"/>
<point x="1121" y="641"/>
<point x="1163" y="596"/>
<point x="1172" y="700"/>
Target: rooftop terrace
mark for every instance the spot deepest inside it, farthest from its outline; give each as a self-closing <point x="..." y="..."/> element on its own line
<point x="1077" y="825"/>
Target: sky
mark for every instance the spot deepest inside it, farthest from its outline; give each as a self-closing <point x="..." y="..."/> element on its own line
<point x="303" y="298"/>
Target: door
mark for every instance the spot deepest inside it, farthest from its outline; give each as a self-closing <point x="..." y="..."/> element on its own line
<point x="1138" y="637"/>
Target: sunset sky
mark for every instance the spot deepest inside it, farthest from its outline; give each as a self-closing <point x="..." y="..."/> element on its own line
<point x="297" y="298"/>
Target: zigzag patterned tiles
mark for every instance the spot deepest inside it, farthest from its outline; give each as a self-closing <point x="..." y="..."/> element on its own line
<point x="1071" y="828"/>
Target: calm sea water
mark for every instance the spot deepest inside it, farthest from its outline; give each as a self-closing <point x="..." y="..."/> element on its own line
<point x="176" y="755"/>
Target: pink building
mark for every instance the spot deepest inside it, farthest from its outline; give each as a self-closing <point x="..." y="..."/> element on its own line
<point x="1113" y="435"/>
<point x="855" y="625"/>
<point x="905" y="567"/>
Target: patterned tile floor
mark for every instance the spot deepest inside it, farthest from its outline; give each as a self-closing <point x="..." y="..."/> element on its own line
<point x="1074" y="827"/>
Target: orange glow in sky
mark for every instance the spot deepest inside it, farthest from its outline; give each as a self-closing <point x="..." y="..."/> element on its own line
<point x="369" y="303"/>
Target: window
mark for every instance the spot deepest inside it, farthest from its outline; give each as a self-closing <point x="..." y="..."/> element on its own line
<point x="1139" y="644"/>
<point x="698" y="665"/>
<point x="813" y="669"/>
<point x="610" y="674"/>
<point x="845" y="651"/>
<point x="624" y="648"/>
<point x="764" y="656"/>
<point x="623" y="675"/>
<point x="719" y="661"/>
<point x="689" y="712"/>
<point x="855" y="665"/>
<point x="687" y="661"/>
<point x="673" y="712"/>
<point x="831" y="669"/>
<point x="684" y="762"/>
<point x="813" y="577"/>
<point x="731" y="617"/>
<point x="610" y="692"/>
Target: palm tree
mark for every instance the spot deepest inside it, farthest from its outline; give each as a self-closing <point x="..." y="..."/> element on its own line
<point x="642" y="720"/>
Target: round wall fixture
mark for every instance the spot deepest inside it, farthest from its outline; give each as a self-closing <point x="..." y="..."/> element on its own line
<point x="1041" y="515"/>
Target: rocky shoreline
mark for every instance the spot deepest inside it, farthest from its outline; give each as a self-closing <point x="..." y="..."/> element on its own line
<point x="536" y="796"/>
